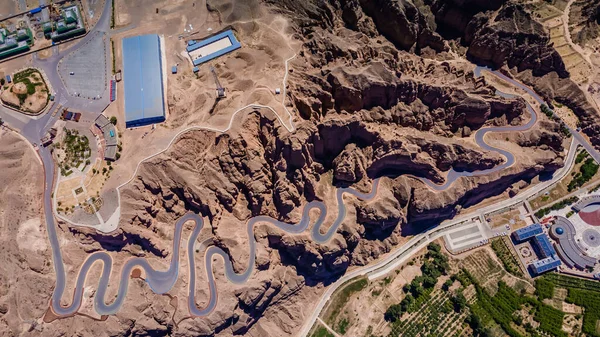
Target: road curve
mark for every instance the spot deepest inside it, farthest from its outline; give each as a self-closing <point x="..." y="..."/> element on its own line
<point x="453" y="175"/>
<point x="161" y="281"/>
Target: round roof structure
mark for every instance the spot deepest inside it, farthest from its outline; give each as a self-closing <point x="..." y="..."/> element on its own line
<point x="590" y="214"/>
<point x="560" y="231"/>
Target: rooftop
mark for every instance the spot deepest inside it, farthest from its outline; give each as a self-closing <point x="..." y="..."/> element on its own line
<point x="142" y="74"/>
<point x="567" y="247"/>
<point x="528" y="232"/>
<point x="212" y="47"/>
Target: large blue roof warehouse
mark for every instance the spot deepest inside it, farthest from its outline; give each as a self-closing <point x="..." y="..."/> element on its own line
<point x="142" y="74"/>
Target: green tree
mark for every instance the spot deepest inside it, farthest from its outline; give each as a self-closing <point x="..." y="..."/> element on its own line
<point x="393" y="313"/>
<point x="113" y="120"/>
<point x="459" y="302"/>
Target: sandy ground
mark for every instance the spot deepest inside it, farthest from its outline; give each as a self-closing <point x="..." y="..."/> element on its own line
<point x="33" y="103"/>
<point x="25" y="270"/>
<point x="250" y="74"/>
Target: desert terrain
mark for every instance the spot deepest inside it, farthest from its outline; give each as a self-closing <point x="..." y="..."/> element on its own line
<point x="322" y="95"/>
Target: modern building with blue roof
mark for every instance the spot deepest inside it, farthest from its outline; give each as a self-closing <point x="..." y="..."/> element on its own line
<point x="212" y="47"/>
<point x="544" y="265"/>
<point x="143" y="77"/>
<point x="543" y="245"/>
<point x="528" y="232"/>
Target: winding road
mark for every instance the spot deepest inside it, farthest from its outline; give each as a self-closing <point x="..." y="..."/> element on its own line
<point x="162" y="281"/>
<point x="453" y="175"/>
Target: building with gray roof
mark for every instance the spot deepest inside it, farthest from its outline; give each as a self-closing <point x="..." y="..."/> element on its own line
<point x="567" y="248"/>
<point x="109" y="133"/>
<point x="143" y="77"/>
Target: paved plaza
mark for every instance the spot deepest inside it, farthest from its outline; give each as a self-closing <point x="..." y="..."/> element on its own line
<point x="465" y="236"/>
<point x="84" y="71"/>
<point x="586" y="235"/>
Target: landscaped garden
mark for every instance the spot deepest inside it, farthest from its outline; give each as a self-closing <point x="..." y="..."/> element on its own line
<point x="584" y="171"/>
<point x="509" y="261"/>
<point x="73" y="152"/>
<point x="28" y="92"/>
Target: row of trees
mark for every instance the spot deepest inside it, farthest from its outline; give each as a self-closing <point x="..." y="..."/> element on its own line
<point x="586" y="172"/>
<point x="556" y="206"/>
<point x="417" y="291"/>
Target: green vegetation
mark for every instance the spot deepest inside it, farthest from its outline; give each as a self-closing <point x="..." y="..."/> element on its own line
<point x="435" y="317"/>
<point x="340" y="298"/>
<point x="590" y="301"/>
<point x="18" y="77"/>
<point x="506" y="307"/>
<point x="114" y="61"/>
<point x="550" y="319"/>
<point x="26" y="76"/>
<point x="491" y="308"/>
<point x="542" y="212"/>
<point x="586" y="172"/>
<point x="76" y="151"/>
<point x="509" y="261"/>
<point x="112" y="15"/>
<point x="113" y="120"/>
<point x="584" y="293"/>
<point x="550" y="114"/>
<point x="343" y="326"/>
<point x="499" y="308"/>
<point x="322" y="332"/>
<point x="547" y="111"/>
<point x="419" y="290"/>
<point x="583" y="154"/>
<point x="544" y="288"/>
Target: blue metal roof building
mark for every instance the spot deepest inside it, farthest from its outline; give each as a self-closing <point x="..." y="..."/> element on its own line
<point x="544" y="246"/>
<point x="528" y="232"/>
<point x="142" y="73"/>
<point x="544" y="265"/>
<point x="199" y="44"/>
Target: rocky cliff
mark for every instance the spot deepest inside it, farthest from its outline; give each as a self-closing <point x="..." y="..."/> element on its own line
<point x="584" y="21"/>
<point x="368" y="105"/>
<point x="495" y="33"/>
<point x="378" y="90"/>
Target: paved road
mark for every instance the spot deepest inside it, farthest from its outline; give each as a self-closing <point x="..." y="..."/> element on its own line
<point x="162" y="281"/>
<point x="420" y="241"/>
<point x="577" y="135"/>
<point x="480" y="140"/>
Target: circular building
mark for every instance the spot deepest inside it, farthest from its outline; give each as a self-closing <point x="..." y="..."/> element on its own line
<point x="567" y="248"/>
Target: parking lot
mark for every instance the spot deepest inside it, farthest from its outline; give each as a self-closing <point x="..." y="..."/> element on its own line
<point x="472" y="234"/>
<point x="84" y="71"/>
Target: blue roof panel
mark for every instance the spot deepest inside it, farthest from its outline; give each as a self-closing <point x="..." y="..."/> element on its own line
<point x="142" y="74"/>
<point x="544" y="245"/>
<point x="528" y="232"/>
<point x="199" y="44"/>
<point x="546" y="264"/>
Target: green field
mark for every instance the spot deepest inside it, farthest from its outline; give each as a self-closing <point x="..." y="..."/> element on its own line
<point x="509" y="261"/>
<point x="321" y="332"/>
